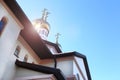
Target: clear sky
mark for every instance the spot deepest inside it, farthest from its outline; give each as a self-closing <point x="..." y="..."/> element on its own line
<point x="91" y="27"/>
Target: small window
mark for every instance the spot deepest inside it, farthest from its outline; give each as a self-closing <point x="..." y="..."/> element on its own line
<point x="17" y="51"/>
<point x="25" y="58"/>
<point x="3" y="22"/>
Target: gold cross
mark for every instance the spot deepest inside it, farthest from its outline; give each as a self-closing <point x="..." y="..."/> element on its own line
<point x="45" y="14"/>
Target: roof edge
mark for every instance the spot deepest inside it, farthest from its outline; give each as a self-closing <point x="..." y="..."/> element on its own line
<point x="44" y="69"/>
<point x="77" y="54"/>
<point x="28" y="33"/>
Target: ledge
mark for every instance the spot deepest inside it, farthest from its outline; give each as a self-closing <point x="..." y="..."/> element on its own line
<point x="48" y="70"/>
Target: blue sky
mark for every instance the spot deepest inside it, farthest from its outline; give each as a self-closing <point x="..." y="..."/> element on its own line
<point x="91" y="27"/>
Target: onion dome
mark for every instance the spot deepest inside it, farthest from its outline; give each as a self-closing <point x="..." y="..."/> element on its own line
<point x="42" y="26"/>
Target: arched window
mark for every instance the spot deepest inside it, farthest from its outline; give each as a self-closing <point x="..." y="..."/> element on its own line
<point x="3" y="23"/>
<point x="17" y="51"/>
<point x="25" y="58"/>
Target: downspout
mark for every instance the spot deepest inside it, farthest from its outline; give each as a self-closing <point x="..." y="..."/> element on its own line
<point x="55" y="61"/>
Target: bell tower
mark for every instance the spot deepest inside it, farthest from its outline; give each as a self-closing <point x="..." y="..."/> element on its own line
<point x="42" y="26"/>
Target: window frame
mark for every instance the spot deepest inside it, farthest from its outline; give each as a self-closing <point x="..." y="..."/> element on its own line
<point x="3" y="20"/>
<point x="17" y="51"/>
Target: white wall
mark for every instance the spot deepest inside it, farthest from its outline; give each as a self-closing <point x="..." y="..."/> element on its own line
<point x="69" y="66"/>
<point x="64" y="64"/>
<point x="25" y="50"/>
<point x="30" y="75"/>
<point x="76" y="71"/>
<point x="66" y="67"/>
<point x="82" y="66"/>
<point x="26" y="72"/>
<point x="7" y="42"/>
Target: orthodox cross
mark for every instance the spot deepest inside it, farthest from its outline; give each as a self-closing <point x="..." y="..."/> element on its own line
<point x="45" y="14"/>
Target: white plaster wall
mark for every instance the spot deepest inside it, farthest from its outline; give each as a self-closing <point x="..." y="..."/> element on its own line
<point x="25" y="51"/>
<point x="49" y="64"/>
<point x="30" y="75"/>
<point x="82" y="66"/>
<point x="76" y="71"/>
<point x="22" y="72"/>
<point x="66" y="67"/>
<point x="7" y="41"/>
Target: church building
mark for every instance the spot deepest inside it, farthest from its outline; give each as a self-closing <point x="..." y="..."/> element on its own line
<point x="26" y="54"/>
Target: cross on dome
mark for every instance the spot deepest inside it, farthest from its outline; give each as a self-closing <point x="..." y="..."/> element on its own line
<point x="45" y="14"/>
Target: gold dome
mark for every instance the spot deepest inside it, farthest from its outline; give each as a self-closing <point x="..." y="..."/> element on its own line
<point x="40" y="23"/>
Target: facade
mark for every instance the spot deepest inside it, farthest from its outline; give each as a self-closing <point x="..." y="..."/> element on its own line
<point x="26" y="54"/>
